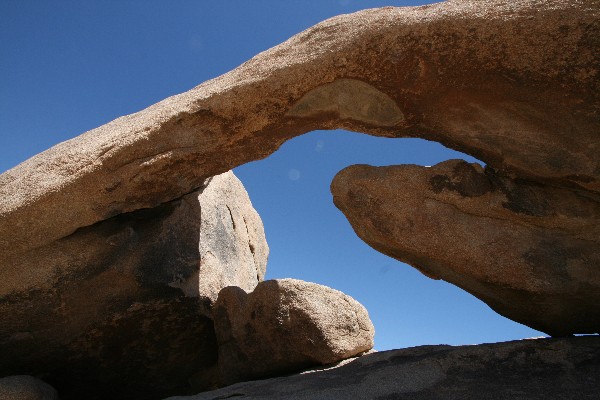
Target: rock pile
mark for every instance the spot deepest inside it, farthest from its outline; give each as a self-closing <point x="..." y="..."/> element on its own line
<point x="123" y="306"/>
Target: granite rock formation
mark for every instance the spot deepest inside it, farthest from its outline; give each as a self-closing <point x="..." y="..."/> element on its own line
<point x="530" y="251"/>
<point x="284" y="326"/>
<point x="513" y="83"/>
<point x="123" y="306"/>
<point x="102" y="269"/>
<point x="539" y="369"/>
<point x="24" y="387"/>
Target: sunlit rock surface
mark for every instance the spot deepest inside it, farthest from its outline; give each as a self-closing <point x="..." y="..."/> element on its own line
<point x="286" y="325"/>
<point x="512" y="83"/>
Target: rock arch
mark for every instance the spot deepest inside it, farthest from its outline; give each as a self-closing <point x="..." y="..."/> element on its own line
<point x="490" y="79"/>
<point x="511" y="83"/>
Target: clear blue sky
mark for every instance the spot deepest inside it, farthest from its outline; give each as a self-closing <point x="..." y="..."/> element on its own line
<point x="70" y="66"/>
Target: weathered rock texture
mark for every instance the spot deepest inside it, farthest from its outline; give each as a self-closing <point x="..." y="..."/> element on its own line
<point x="524" y="370"/>
<point x="284" y="326"/>
<point x="233" y="250"/>
<point x="530" y="251"/>
<point x="123" y="306"/>
<point x="24" y="387"/>
<point x="512" y="83"/>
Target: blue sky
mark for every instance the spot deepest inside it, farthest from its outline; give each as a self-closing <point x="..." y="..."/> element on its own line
<point x="70" y="66"/>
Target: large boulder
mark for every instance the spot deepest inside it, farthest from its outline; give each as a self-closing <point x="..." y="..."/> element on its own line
<point x="122" y="308"/>
<point x="286" y="325"/>
<point x="530" y="251"/>
<point x="232" y="249"/>
<point x="540" y="369"/>
<point x="513" y="83"/>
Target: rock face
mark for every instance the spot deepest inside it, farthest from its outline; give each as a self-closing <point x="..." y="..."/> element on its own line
<point x="530" y="251"/>
<point x="233" y="250"/>
<point x="286" y="325"/>
<point x="526" y="370"/>
<point x="513" y="83"/>
<point x="24" y="387"/>
<point x="123" y="306"/>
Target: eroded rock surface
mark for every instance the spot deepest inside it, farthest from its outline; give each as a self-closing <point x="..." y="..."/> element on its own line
<point x="123" y="306"/>
<point x="540" y="369"/>
<point x="513" y="83"/>
<point x="286" y="325"/>
<point x="232" y="248"/>
<point x="528" y="250"/>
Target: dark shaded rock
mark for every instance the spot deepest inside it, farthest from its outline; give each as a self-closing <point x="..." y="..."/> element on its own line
<point x="122" y="308"/>
<point x="540" y="369"/>
<point x="149" y="351"/>
<point x="286" y="325"/>
<point x="529" y="251"/>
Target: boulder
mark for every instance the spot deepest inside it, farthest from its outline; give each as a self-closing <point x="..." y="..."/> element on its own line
<point x="540" y="369"/>
<point x="232" y="248"/>
<point x="530" y="251"/>
<point x="24" y="387"/>
<point x="513" y="83"/>
<point x="122" y="307"/>
<point x="286" y="325"/>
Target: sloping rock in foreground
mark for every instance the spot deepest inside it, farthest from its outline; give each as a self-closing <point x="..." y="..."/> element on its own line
<point x="513" y="83"/>
<point x="123" y="307"/>
<point x="530" y="251"/>
<point x="286" y="325"/>
<point x="540" y="369"/>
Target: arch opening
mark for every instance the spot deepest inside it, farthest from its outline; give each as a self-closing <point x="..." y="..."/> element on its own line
<point x="310" y="239"/>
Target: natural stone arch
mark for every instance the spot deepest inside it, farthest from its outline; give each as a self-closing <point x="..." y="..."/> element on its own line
<point x="490" y="79"/>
